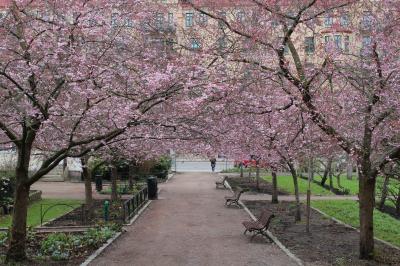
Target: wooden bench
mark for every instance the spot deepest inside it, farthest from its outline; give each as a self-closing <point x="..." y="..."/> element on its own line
<point x="221" y="183"/>
<point x="229" y="200"/>
<point x="259" y="227"/>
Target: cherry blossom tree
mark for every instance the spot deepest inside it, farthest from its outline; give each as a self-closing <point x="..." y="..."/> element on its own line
<point x="349" y="93"/>
<point x="73" y="78"/>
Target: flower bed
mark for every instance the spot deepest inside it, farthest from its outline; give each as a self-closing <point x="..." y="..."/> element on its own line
<point x="65" y="248"/>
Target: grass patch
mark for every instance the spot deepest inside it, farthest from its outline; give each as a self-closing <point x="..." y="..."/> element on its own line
<point x="285" y="183"/>
<point x="385" y="226"/>
<point x="34" y="211"/>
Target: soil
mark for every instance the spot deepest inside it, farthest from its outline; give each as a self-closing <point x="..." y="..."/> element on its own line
<point x="78" y="255"/>
<point x="250" y="184"/>
<point x="78" y="217"/>
<point x="329" y="243"/>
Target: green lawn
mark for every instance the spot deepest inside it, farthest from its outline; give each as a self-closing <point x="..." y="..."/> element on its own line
<point x="347" y="211"/>
<point x="351" y="185"/>
<point x="34" y="211"/>
<point x="285" y="183"/>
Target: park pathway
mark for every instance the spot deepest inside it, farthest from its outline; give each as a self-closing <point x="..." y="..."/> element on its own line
<point x="189" y="225"/>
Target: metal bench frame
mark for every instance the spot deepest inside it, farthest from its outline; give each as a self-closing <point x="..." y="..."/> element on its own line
<point x="259" y="227"/>
<point x="221" y="183"/>
<point x="229" y="200"/>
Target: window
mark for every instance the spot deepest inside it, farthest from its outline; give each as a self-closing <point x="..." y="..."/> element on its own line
<point x="128" y="23"/>
<point x="114" y="19"/>
<point x="338" y="41"/>
<point x="274" y="23"/>
<point x="347" y="44"/>
<point x="189" y="19"/>
<point x="366" y="45"/>
<point x="344" y="20"/>
<point x="366" y="22"/>
<point x="222" y="42"/>
<point x="223" y="16"/>
<point x="286" y="48"/>
<point x="170" y="19"/>
<point x="309" y="45"/>
<point x="195" y="44"/>
<point x="366" y="41"/>
<point x="240" y="16"/>
<point x="328" y="22"/>
<point x="170" y="44"/>
<point x="159" y="20"/>
<point x="327" y="40"/>
<point x="202" y="19"/>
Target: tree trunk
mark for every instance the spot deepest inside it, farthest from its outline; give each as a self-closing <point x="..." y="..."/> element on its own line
<point x="398" y="203"/>
<point x="338" y="180"/>
<point x="327" y="171"/>
<point x="349" y="168"/>
<point x="65" y="169"/>
<point x="367" y="203"/>
<point x="296" y="191"/>
<point x="311" y="169"/>
<point x="274" y="188"/>
<point x="258" y="177"/>
<point x="87" y="177"/>
<point x="330" y="180"/>
<point x="131" y="176"/>
<point x="384" y="193"/>
<point x="114" y="177"/>
<point x="16" y="249"/>
<point x="241" y="169"/>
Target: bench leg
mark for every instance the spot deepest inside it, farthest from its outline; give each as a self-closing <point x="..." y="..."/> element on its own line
<point x="236" y="202"/>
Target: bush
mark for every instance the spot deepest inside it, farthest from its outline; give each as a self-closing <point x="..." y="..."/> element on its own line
<point x="162" y="167"/>
<point x="6" y="191"/>
<point x="3" y="239"/>
<point x="59" y="246"/>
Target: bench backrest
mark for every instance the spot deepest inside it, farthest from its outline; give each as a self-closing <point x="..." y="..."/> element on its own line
<point x="238" y="192"/>
<point x="265" y="218"/>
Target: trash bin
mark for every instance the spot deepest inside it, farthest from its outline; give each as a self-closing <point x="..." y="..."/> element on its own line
<point x="152" y="187"/>
<point x="99" y="183"/>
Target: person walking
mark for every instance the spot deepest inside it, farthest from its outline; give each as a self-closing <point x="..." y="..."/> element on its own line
<point x="213" y="162"/>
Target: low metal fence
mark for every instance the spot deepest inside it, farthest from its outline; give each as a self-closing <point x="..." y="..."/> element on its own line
<point x="132" y="206"/>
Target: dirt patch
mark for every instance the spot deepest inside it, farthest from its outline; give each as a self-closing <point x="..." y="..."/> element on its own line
<point x="251" y="185"/>
<point x="329" y="243"/>
<point x="79" y="216"/>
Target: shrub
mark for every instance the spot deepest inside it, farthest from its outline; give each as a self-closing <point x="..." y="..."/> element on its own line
<point x="3" y="238"/>
<point x="6" y="191"/>
<point x="58" y="246"/>
<point x="162" y="166"/>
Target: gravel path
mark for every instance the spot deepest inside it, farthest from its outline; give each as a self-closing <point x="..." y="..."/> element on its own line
<point x="189" y="225"/>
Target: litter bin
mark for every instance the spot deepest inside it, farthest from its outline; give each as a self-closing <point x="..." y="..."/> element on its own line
<point x="99" y="182"/>
<point x="152" y="187"/>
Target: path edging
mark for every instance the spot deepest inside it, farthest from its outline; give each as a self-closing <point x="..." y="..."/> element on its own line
<point x="111" y="240"/>
<point x="273" y="238"/>
<point x="352" y="227"/>
<point x="170" y="176"/>
<point x="101" y="249"/>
